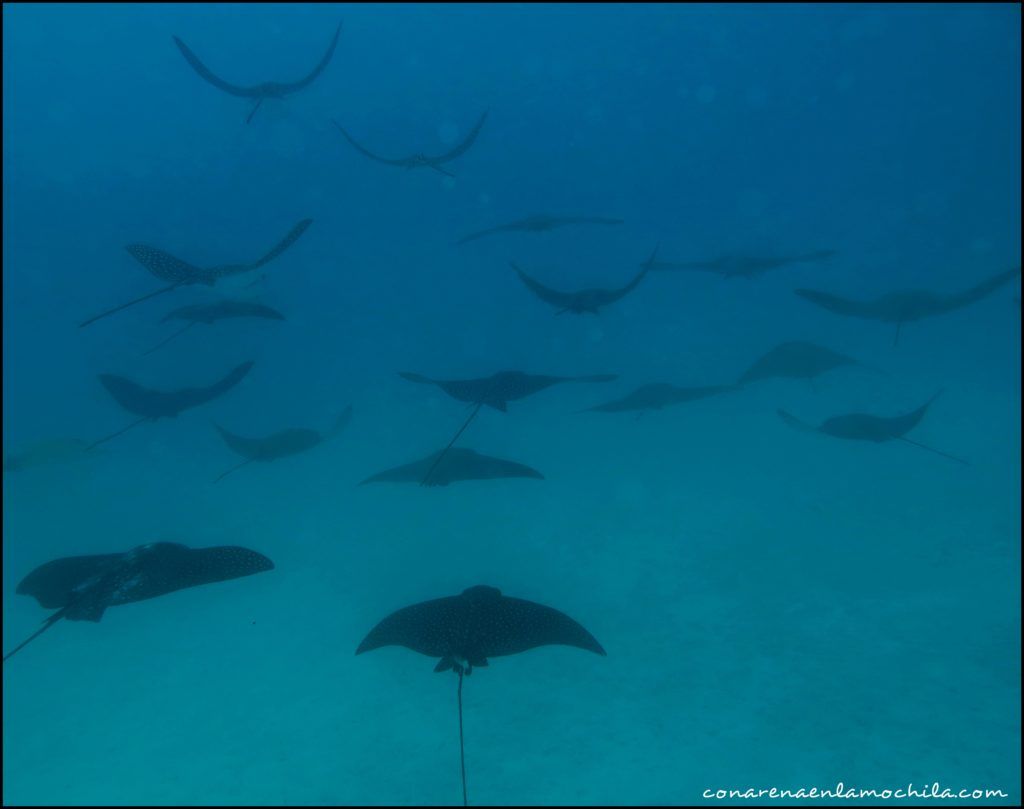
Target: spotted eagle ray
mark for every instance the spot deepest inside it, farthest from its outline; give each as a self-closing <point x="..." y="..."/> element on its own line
<point x="658" y="395"/>
<point x="541" y="222"/>
<point x="280" y="444"/>
<point x="178" y="273"/>
<point x="155" y="404"/>
<point x="210" y="313"/>
<point x="81" y="588"/>
<point x="421" y="160"/>
<point x="907" y="306"/>
<point x="259" y="92"/>
<point x="739" y="266"/>
<point x="797" y="359"/>
<point x="467" y="629"/>
<point x="865" y="427"/>
<point x="585" y="300"/>
<point x="458" y="464"/>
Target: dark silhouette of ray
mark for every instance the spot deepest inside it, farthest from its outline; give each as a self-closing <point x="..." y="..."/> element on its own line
<point x="865" y="427"/>
<point x="585" y="300"/>
<point x="494" y="391"/>
<point x="541" y="222"/>
<point x="907" y="306"/>
<point x="154" y="404"/>
<point x="797" y="359"/>
<point x="451" y="465"/>
<point x="501" y="388"/>
<point x="467" y="629"/>
<point x="659" y="395"/>
<point x="280" y="444"/>
<point x="81" y="588"/>
<point x="259" y="92"/>
<point x="210" y="313"/>
<point x="421" y="160"/>
<point x="739" y="266"/>
<point x="222" y="310"/>
<point x="177" y="273"/>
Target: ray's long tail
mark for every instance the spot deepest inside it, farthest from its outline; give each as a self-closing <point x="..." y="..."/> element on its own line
<point x="234" y="468"/>
<point x="116" y="309"/>
<point x="462" y="744"/>
<point x="166" y="340"/>
<point x="440" y="457"/>
<point x="123" y="430"/>
<point x="963" y="461"/>
<point x="47" y="623"/>
<point x="255" y="107"/>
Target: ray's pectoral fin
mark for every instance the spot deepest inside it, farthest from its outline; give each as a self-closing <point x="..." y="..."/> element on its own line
<point x="418" y="378"/>
<point x="86" y="609"/>
<point x="444" y="664"/>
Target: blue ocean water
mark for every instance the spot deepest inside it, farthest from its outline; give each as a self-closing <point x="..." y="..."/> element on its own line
<point x="779" y="609"/>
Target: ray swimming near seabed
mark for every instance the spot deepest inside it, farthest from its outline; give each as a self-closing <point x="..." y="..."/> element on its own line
<point x="420" y="160"/>
<point x="151" y="405"/>
<point x="177" y="273"/>
<point x="210" y="313"/>
<point x="82" y="588"/>
<point x="259" y="92"/>
<point x="464" y="631"/>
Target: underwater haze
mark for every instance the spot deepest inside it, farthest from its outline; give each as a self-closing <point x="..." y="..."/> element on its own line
<point x="763" y="237"/>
